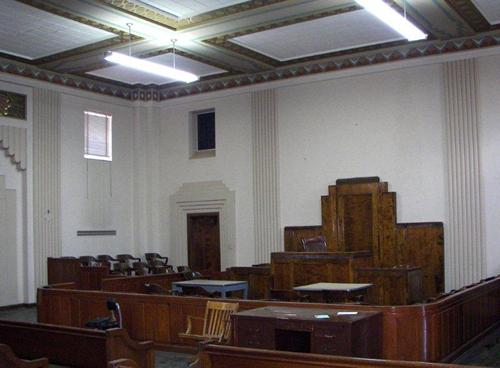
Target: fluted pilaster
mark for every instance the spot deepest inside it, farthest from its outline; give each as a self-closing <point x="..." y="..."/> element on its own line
<point x="46" y="180"/>
<point x="464" y="248"/>
<point x="265" y="175"/>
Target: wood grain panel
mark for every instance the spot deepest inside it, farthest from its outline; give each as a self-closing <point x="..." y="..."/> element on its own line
<point x="259" y="280"/>
<point x="356" y="221"/>
<point x="392" y="286"/>
<point x="292" y="269"/>
<point x="360" y="214"/>
<point x="61" y="270"/>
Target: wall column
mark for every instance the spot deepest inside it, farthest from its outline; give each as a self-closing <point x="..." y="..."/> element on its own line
<point x="464" y="248"/>
<point x="265" y="175"/>
<point x="46" y="180"/>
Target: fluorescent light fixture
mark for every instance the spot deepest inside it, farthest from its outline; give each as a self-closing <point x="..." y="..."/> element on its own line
<point x="393" y="19"/>
<point x="150" y="67"/>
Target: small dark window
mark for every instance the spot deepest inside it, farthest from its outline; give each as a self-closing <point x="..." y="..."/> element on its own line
<point x="206" y="130"/>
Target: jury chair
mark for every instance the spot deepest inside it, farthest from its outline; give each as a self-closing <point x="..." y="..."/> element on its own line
<point x="108" y="261"/>
<point x="88" y="261"/>
<point x="216" y="326"/>
<point x="157" y="256"/>
<point x="314" y="244"/>
<point x="156" y="263"/>
<point x="125" y="263"/>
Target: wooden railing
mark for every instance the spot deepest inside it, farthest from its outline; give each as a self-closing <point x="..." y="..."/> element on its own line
<point x="135" y="284"/>
<point x="429" y="332"/>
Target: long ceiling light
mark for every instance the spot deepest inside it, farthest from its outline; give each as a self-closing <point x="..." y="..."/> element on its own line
<point x="151" y="67"/>
<point x="393" y="19"/>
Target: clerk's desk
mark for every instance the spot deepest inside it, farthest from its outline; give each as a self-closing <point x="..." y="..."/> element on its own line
<point x="309" y="330"/>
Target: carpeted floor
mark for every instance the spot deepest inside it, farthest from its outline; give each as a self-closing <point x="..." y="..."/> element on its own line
<point x="485" y="353"/>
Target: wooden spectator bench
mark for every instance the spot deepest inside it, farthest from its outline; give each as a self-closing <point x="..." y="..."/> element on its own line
<point x="223" y="356"/>
<point x="74" y="347"/>
<point x="9" y="360"/>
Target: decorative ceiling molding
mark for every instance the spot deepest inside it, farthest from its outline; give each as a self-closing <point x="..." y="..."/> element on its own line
<point x="403" y="52"/>
<point x="331" y="65"/>
<point x="471" y="15"/>
<point x="158" y="17"/>
<point x="86" y="84"/>
<point x="122" y="37"/>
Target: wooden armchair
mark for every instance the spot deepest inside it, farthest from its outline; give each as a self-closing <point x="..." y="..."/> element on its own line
<point x="155" y="256"/>
<point x="314" y="244"/>
<point x="89" y="261"/>
<point x="108" y="261"/>
<point x="125" y="263"/>
<point x="216" y="323"/>
<point x="216" y="326"/>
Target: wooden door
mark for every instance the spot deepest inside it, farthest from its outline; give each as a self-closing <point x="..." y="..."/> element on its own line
<point x="203" y="241"/>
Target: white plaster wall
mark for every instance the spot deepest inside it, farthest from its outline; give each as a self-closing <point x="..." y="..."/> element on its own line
<point x="386" y="124"/>
<point x="232" y="163"/>
<point x="489" y="143"/>
<point x="96" y="195"/>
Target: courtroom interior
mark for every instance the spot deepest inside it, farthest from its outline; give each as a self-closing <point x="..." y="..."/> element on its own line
<point x="259" y="183"/>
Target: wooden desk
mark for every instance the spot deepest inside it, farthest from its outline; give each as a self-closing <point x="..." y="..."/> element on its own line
<point x="222" y="286"/>
<point x="300" y="330"/>
<point x="329" y="292"/>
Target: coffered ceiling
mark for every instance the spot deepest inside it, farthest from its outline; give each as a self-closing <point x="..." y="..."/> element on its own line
<point x="227" y="43"/>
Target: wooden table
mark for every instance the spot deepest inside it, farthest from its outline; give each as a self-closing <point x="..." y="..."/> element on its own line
<point x="308" y="330"/>
<point x="331" y="292"/>
<point x="222" y="286"/>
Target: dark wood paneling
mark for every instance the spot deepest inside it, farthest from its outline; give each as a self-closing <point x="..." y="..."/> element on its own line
<point x="292" y="269"/>
<point x="61" y="270"/>
<point x="135" y="284"/>
<point x="76" y="347"/>
<point x="219" y="356"/>
<point x="425" y="332"/>
<point x="90" y="278"/>
<point x="392" y="286"/>
<point x="259" y="280"/>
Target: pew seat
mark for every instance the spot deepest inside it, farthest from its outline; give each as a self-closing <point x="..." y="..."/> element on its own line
<point x="74" y="347"/>
<point x="9" y="360"/>
<point x="221" y="356"/>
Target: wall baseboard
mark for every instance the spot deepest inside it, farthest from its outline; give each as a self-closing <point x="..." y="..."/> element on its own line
<point x="17" y="306"/>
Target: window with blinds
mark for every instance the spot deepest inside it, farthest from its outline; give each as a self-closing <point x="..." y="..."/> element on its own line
<point x="97" y="136"/>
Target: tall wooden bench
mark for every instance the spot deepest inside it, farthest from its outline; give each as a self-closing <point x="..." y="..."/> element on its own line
<point x="74" y="347"/>
<point x="9" y="360"/>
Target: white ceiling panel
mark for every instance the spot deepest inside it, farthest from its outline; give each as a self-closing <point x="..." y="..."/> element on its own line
<point x="189" y="8"/>
<point x="32" y="33"/>
<point x="131" y="76"/>
<point x="338" y="32"/>
<point x="490" y="10"/>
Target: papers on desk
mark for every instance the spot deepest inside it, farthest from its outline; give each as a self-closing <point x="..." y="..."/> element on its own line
<point x="321" y="316"/>
<point x="346" y="313"/>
